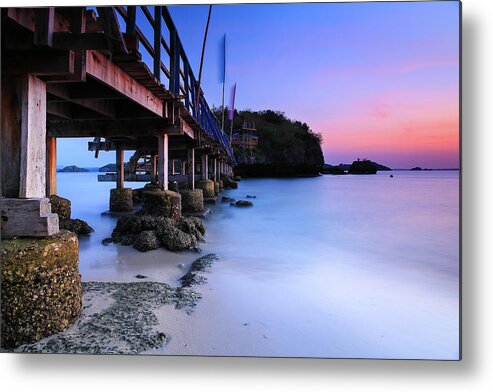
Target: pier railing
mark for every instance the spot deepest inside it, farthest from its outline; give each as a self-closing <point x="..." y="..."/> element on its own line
<point x="169" y="64"/>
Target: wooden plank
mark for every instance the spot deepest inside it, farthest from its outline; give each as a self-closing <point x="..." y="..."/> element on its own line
<point x="86" y="41"/>
<point x="106" y="128"/>
<point x="59" y="109"/>
<point x="163" y="161"/>
<point x="99" y="67"/>
<point x="38" y="63"/>
<point x="51" y="167"/>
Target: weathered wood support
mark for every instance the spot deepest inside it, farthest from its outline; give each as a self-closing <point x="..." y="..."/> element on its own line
<point x="214" y="163"/>
<point x="163" y="161"/>
<point x="51" y="166"/>
<point x="154" y="166"/>
<point x="191" y="168"/>
<point x="23" y="157"/>
<point x="120" y="168"/>
<point x="205" y="167"/>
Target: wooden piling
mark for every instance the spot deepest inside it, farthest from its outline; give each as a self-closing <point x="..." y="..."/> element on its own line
<point x="120" y="168"/>
<point x="163" y="161"/>
<point x="51" y="167"/>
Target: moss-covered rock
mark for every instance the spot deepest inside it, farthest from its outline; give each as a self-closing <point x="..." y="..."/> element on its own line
<point x="192" y="200"/>
<point x="41" y="287"/>
<point x="61" y="206"/>
<point x="121" y="200"/>
<point x="77" y="226"/>
<point x="193" y="226"/>
<point x="163" y="203"/>
<point x="207" y="187"/>
<point x="174" y="239"/>
<point x="146" y="240"/>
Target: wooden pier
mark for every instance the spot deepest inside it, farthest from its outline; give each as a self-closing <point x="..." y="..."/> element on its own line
<point x="71" y="72"/>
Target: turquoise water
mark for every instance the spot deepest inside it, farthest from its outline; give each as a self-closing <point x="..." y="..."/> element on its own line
<point x="332" y="266"/>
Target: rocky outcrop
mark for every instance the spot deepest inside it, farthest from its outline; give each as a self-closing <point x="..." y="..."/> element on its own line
<point x="73" y="169"/>
<point x="62" y="207"/>
<point x="146" y="232"/>
<point x="362" y="167"/>
<point x="286" y="148"/>
<point x="78" y="226"/>
<point x="243" y="203"/>
<point x="41" y="287"/>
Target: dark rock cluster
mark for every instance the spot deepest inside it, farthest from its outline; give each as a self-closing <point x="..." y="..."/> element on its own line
<point x="147" y="232"/>
<point x="63" y="207"/>
<point x="41" y="287"/>
<point x="362" y="167"/>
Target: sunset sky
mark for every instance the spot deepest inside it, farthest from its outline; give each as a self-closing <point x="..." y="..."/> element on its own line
<point x="378" y="80"/>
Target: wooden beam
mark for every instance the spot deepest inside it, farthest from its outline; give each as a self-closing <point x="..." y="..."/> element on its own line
<point x="59" y="109"/>
<point x="51" y="167"/>
<point x="38" y="63"/>
<point x="45" y="20"/>
<point x="105" y="128"/>
<point x="191" y="168"/>
<point x="86" y="41"/>
<point x="120" y="168"/>
<point x="163" y="161"/>
<point x="100" y="68"/>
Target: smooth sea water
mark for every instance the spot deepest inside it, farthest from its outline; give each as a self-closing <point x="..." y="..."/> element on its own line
<point x="330" y="266"/>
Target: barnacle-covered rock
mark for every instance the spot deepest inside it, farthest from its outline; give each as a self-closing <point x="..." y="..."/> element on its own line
<point x="41" y="287"/>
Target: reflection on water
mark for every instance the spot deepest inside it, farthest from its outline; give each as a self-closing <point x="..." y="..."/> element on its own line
<point x="332" y="266"/>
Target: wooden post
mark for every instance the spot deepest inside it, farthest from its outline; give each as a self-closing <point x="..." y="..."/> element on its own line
<point x="205" y="167"/>
<point x="193" y="168"/>
<point x="51" y="167"/>
<point x="33" y="130"/>
<point x="163" y="161"/>
<point x="183" y="166"/>
<point x="154" y="167"/>
<point x="214" y="164"/>
<point x="120" y="168"/>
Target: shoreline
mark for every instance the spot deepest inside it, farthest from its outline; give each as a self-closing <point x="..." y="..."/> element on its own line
<point x="126" y="317"/>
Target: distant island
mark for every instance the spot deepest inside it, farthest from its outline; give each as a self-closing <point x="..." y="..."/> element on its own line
<point x="268" y="144"/>
<point x="110" y="168"/>
<point x="363" y="166"/>
<point x="73" y="169"/>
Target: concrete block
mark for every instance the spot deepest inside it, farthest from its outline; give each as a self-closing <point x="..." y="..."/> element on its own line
<point x="27" y="218"/>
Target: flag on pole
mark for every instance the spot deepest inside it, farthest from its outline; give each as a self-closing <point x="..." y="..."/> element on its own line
<point x="222" y="60"/>
<point x="232" y="103"/>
